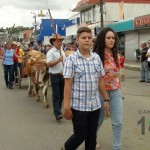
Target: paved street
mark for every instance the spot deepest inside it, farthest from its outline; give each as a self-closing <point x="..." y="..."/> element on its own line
<point x="26" y="125"/>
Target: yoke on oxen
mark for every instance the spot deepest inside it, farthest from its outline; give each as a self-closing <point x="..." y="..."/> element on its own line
<point x="37" y="71"/>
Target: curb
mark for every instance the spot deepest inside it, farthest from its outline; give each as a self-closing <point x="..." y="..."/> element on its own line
<point x="132" y="67"/>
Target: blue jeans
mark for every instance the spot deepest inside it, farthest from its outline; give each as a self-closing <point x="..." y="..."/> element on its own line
<point x="144" y="71"/>
<point x="116" y="113"/>
<point x="57" y="84"/>
<point x="15" y="74"/>
<point x="8" y="75"/>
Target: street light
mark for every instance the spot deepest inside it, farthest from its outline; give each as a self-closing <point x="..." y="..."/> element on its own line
<point x="35" y="24"/>
<point x="41" y="14"/>
<point x="35" y="15"/>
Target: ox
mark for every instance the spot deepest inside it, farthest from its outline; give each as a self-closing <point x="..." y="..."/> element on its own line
<point x="38" y="75"/>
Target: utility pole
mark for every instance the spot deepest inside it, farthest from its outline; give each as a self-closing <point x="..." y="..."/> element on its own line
<point x="101" y="13"/>
<point x="35" y="26"/>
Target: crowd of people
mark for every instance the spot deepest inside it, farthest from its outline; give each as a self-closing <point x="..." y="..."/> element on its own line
<point x="12" y="55"/>
<point x="85" y="79"/>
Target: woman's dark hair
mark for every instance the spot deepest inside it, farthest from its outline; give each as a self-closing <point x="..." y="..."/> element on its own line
<point x="99" y="45"/>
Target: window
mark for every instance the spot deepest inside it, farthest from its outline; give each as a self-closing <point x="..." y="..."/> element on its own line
<point x="82" y="15"/>
<point x="94" y="14"/>
<point x="86" y="16"/>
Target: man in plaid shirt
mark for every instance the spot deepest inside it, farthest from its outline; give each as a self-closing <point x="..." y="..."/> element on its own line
<point x="83" y="73"/>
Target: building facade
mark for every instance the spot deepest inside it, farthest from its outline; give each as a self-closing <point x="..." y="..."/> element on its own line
<point x="113" y="10"/>
<point x="131" y="33"/>
<point x="71" y="27"/>
<point x="126" y="17"/>
<point x="46" y="29"/>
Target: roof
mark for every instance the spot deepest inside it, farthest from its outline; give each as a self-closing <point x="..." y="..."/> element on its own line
<point x="85" y="4"/>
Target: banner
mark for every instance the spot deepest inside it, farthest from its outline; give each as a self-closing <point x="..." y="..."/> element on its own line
<point x="121" y="10"/>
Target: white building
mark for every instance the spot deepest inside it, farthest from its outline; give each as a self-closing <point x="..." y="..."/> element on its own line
<point x="114" y="10"/>
<point x="71" y="28"/>
<point x="121" y="16"/>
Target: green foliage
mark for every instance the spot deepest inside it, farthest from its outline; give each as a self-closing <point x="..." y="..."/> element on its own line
<point x="17" y="29"/>
<point x="2" y="30"/>
<point x="138" y="52"/>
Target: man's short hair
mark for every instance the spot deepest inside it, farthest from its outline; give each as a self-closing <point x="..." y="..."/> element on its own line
<point x="83" y="29"/>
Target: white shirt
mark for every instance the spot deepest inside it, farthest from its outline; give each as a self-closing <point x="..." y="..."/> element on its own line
<point x="52" y="55"/>
<point x="149" y="53"/>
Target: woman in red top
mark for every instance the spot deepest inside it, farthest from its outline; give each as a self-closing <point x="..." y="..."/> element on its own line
<point x="106" y="47"/>
<point x="16" y="51"/>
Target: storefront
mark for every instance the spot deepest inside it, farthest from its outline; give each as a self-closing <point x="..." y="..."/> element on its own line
<point x="123" y="28"/>
<point x="131" y="33"/>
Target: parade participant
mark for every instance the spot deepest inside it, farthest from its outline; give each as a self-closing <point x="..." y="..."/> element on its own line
<point x="148" y="55"/>
<point x="43" y="50"/>
<point x="144" y="65"/>
<point x="48" y="47"/>
<point x="55" y="62"/>
<point x="71" y="49"/>
<point x="83" y="73"/>
<point x="15" y="74"/>
<point x="106" y="47"/>
<point x="8" y="64"/>
<point x="21" y="53"/>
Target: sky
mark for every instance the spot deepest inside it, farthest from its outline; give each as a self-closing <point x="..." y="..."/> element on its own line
<point x="21" y="12"/>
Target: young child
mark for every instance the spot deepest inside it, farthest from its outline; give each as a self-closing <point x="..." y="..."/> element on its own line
<point x="83" y="73"/>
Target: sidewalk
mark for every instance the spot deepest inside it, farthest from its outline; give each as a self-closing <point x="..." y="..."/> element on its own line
<point x="132" y="64"/>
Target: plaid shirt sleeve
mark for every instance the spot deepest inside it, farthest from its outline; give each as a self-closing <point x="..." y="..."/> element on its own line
<point x="68" y="71"/>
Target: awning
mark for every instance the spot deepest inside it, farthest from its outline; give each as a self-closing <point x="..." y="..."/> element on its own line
<point x="121" y="26"/>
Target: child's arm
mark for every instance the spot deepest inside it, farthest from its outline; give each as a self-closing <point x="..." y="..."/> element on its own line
<point x="148" y="54"/>
<point x="103" y="91"/>
<point x="67" y="97"/>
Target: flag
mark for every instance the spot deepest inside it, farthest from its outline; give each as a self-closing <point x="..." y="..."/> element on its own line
<point x="121" y="10"/>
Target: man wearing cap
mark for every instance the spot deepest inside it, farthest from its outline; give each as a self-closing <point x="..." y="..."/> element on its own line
<point x="55" y="62"/>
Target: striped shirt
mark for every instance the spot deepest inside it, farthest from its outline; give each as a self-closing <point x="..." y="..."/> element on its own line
<point x="85" y="73"/>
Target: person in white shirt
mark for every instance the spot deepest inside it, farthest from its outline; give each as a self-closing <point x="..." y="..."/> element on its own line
<point x="55" y="62"/>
